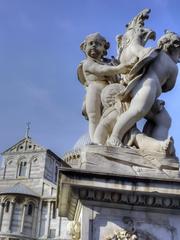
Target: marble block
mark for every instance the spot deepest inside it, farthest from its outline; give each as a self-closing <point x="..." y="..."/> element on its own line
<point x="123" y="160"/>
<point x="119" y="193"/>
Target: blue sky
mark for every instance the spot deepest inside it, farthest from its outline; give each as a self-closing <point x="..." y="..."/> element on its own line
<point x="39" y="54"/>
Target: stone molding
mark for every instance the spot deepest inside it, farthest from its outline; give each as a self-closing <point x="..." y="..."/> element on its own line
<point x="115" y="191"/>
<point x="129" y="198"/>
<point x="125" y="200"/>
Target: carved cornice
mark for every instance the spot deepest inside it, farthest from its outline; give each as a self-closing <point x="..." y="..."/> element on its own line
<point x="131" y="199"/>
<point x="125" y="200"/>
<point x="115" y="191"/>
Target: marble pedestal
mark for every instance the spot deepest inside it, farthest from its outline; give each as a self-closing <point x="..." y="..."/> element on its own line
<point x="121" y="194"/>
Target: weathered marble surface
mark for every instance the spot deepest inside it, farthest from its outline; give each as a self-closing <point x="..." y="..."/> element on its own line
<point x="122" y="160"/>
<point x="124" y="184"/>
<point x="123" y="90"/>
<point x="100" y="202"/>
<point x="132" y="225"/>
<point x="95" y="73"/>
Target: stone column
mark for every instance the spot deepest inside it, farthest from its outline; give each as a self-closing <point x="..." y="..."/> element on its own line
<point x="58" y="230"/>
<point x="34" y="223"/>
<point x="39" y="219"/>
<point x="85" y="226"/>
<point x="1" y="213"/>
<point x="48" y="219"/>
<point x="11" y="209"/>
<point x="23" y="217"/>
<point x="4" y="173"/>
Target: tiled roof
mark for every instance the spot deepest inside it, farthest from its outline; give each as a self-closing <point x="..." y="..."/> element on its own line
<point x="19" y="188"/>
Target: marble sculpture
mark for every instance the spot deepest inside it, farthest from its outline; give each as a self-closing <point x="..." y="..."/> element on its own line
<point x="123" y="90"/>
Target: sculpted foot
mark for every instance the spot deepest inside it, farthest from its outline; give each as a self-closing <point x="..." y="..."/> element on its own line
<point x="114" y="141"/>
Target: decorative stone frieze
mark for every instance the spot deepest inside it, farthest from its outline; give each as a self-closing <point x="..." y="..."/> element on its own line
<point x="132" y="199"/>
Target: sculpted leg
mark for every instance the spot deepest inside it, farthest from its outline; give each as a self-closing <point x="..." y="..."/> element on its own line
<point x="139" y="107"/>
<point x="93" y="108"/>
<point x="105" y="126"/>
<point x="158" y="125"/>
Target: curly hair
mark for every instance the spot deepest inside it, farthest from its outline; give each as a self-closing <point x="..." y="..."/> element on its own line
<point x="95" y="36"/>
<point x="169" y="41"/>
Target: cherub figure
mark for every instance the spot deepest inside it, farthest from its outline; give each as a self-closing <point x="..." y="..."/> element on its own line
<point x="113" y="108"/>
<point x="160" y="77"/>
<point x="95" y="73"/>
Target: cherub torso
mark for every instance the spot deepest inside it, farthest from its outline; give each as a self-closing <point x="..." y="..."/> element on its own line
<point x="165" y="68"/>
<point x="163" y="71"/>
<point x="92" y="77"/>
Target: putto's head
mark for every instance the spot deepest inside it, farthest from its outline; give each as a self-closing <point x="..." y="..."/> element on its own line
<point x="95" y="46"/>
<point x="169" y="41"/>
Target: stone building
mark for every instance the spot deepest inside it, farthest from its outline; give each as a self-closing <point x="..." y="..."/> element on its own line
<point x="28" y="179"/>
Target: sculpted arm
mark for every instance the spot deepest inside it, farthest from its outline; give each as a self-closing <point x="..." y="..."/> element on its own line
<point x="102" y="70"/>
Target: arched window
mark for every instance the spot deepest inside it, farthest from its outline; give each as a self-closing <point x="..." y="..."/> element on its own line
<point x="22" y="168"/>
<point x="7" y="204"/>
<point x="30" y="209"/>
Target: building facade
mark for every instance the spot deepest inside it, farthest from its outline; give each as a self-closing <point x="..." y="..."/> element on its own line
<point x="28" y="184"/>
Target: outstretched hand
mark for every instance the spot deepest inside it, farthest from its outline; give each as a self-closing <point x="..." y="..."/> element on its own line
<point x="126" y="68"/>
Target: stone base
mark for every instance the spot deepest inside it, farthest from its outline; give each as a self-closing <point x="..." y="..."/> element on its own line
<point x="122" y="160"/>
<point x="120" y="194"/>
